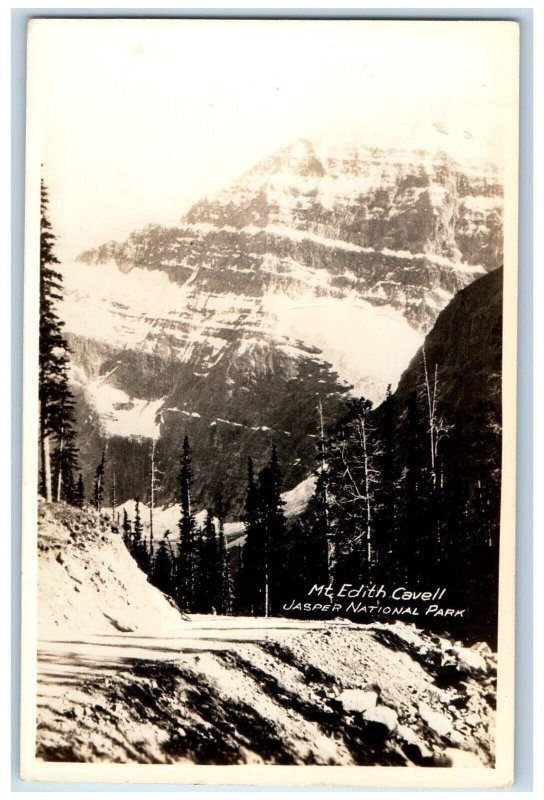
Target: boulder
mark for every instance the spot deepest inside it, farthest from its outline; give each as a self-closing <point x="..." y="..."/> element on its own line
<point x="358" y="701"/>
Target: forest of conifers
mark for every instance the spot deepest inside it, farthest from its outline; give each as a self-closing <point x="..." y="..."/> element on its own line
<point x="400" y="499"/>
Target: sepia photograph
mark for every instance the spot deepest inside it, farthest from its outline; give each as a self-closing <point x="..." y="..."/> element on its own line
<point x="269" y="401"/>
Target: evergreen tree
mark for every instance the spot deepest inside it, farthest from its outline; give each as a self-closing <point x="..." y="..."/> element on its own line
<point x="201" y="603"/>
<point x="185" y="572"/>
<point x="139" y="546"/>
<point x="79" y="494"/>
<point x="138" y="527"/>
<point x="55" y="398"/>
<point x="482" y="518"/>
<point x="127" y="530"/>
<point x="312" y="542"/>
<point x="312" y="559"/>
<point x="456" y="538"/>
<point x="413" y="547"/>
<point x="224" y="600"/>
<point x="250" y="595"/>
<point x="98" y="487"/>
<point x="208" y="579"/>
<point x="152" y="492"/>
<point x="274" y="532"/>
<point x="113" y="498"/>
<point x="161" y="573"/>
<point x="239" y="595"/>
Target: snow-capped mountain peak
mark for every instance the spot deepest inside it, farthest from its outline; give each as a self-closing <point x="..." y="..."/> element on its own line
<point x="315" y="274"/>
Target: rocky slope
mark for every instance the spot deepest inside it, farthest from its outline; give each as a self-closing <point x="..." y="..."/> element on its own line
<point x="245" y="691"/>
<point x="318" y="271"/>
<point x="466" y="345"/>
<point x="89" y="584"/>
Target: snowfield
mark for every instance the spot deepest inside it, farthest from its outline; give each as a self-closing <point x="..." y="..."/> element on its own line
<point x="123" y="677"/>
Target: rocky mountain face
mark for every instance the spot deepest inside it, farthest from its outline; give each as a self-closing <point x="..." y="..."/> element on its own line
<point x="315" y="275"/>
<point x="465" y="344"/>
<point x="463" y="354"/>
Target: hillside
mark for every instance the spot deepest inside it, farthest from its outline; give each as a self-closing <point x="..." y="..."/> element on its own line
<point x="88" y="583"/>
<point x="466" y="345"/>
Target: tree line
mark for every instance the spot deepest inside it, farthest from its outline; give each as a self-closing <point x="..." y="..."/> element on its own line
<point x="194" y="571"/>
<point x="404" y="497"/>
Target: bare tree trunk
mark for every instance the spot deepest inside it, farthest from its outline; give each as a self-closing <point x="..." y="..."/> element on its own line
<point x="266" y="593"/>
<point x="113" y="498"/>
<point x="369" y="547"/>
<point x="431" y="405"/>
<point x="152" y="499"/>
<point x="266" y="579"/>
<point x="59" y="476"/>
<point x="46" y="467"/>
<point x="329" y="534"/>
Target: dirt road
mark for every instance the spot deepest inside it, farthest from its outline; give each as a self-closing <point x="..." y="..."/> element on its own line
<point x="237" y="690"/>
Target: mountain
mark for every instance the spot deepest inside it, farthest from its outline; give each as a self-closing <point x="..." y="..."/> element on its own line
<point x="465" y="344"/>
<point x="463" y="357"/>
<point x="315" y="275"/>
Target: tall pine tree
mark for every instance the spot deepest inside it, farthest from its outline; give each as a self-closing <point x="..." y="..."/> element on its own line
<point x="224" y="598"/>
<point x="79" y="492"/>
<point x="274" y="527"/>
<point x="415" y="492"/>
<point x="55" y="398"/>
<point x="127" y="530"/>
<point x="185" y="571"/>
<point x="139" y="545"/>
<point x="252" y="575"/>
<point x="207" y="573"/>
<point x="98" y="486"/>
<point x="161" y="573"/>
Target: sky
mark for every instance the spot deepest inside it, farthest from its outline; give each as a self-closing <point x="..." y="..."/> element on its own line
<point x="135" y="120"/>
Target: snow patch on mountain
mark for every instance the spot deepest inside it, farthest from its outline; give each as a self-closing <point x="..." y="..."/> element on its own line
<point x="121" y="415"/>
<point x="297" y="499"/>
<point x="107" y="304"/>
<point x="300" y="235"/>
<point x="367" y="345"/>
